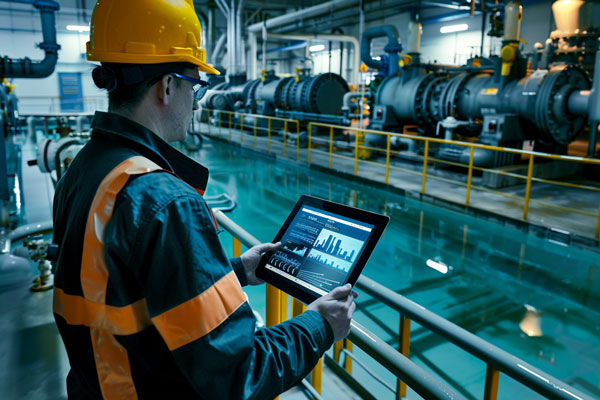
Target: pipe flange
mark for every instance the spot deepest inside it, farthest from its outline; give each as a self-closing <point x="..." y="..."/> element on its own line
<point x="551" y="114"/>
<point x="428" y="92"/>
<point x="324" y="93"/>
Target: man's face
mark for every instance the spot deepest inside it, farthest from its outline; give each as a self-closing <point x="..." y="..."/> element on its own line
<point x="182" y="107"/>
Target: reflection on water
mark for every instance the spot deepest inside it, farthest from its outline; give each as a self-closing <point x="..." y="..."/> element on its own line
<point x="535" y="298"/>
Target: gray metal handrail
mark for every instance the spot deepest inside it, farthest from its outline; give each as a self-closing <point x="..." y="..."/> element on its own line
<point x="422" y="382"/>
<point x="499" y="359"/>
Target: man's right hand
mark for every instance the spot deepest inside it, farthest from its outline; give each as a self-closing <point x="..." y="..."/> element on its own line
<point x="337" y="308"/>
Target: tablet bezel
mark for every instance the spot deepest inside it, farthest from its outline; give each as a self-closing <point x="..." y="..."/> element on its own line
<point x="306" y="296"/>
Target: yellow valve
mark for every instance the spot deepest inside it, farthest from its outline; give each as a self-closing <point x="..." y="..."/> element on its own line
<point x="263" y="73"/>
<point x="9" y="87"/>
<point x="476" y="62"/>
<point x="364" y="68"/>
<point x="508" y="55"/>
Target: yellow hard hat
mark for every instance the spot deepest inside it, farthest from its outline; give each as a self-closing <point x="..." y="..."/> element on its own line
<point x="146" y="32"/>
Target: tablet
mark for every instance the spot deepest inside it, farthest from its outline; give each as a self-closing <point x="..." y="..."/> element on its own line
<point x="323" y="245"/>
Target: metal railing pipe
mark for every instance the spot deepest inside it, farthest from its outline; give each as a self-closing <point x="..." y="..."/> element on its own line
<point x="516" y="368"/>
<point x="421" y="381"/>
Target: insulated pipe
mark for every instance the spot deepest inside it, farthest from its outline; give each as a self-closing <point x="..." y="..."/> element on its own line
<point x="351" y="95"/>
<point x="415" y="30"/>
<point x="339" y="38"/>
<point x="365" y="49"/>
<point x="24" y="67"/>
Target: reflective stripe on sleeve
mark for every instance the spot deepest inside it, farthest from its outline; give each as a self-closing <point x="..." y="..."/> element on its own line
<point x="199" y="316"/>
<point x="126" y="320"/>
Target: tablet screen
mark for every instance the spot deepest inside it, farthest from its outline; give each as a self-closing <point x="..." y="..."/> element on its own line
<point x="319" y="249"/>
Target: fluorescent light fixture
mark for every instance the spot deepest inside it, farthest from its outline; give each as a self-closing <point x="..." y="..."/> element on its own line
<point x="317" y="47"/>
<point x="438" y="266"/>
<point x="78" y="28"/>
<point x="454" y="28"/>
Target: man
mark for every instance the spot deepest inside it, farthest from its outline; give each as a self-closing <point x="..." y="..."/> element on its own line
<point x="146" y="301"/>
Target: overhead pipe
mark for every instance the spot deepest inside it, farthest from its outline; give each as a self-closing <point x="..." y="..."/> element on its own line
<point x="338" y="38"/>
<point x="238" y="36"/>
<point x="218" y="48"/>
<point x="271" y="23"/>
<point x="392" y="48"/>
<point x="25" y="67"/>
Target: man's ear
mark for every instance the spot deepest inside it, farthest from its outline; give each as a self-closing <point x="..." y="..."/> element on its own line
<point x="165" y="89"/>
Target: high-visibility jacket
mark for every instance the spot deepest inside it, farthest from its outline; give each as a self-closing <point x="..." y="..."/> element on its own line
<point x="146" y="301"/>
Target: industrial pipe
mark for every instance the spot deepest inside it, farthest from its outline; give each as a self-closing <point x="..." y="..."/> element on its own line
<point x="392" y="48"/>
<point x="288" y="18"/>
<point x="26" y="68"/>
<point x="340" y="38"/>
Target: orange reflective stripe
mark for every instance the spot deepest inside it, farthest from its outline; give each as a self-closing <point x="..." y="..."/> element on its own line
<point x="112" y="360"/>
<point x="94" y="275"/>
<point x="126" y="320"/>
<point x="112" y="366"/>
<point x="197" y="317"/>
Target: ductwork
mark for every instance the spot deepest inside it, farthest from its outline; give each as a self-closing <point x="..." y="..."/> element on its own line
<point x="25" y="67"/>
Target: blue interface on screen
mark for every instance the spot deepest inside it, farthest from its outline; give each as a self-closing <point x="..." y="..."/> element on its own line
<point x="319" y="249"/>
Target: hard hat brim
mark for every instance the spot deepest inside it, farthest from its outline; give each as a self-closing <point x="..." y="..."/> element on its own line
<point x="123" y="58"/>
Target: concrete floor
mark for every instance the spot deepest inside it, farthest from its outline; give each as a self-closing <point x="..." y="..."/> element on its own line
<point x="564" y="214"/>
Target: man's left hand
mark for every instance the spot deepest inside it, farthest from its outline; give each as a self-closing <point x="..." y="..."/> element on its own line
<point x="251" y="258"/>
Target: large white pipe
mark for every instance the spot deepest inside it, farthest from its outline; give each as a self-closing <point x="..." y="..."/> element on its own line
<point x="415" y="30"/>
<point x="338" y="38"/>
<point x="238" y="36"/>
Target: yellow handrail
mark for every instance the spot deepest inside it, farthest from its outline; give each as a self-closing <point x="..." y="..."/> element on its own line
<point x="358" y="132"/>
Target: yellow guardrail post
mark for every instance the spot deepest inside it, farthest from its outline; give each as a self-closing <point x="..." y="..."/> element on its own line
<point x="220" y="116"/>
<point x="528" y="188"/>
<point x="297" y="307"/>
<point x="425" y="155"/>
<point x="316" y="377"/>
<point x="237" y="247"/>
<point x="356" y="154"/>
<point x="492" y="378"/>
<point x="254" y="131"/>
<point x="242" y="129"/>
<point x="598" y="224"/>
<point x="283" y="306"/>
<point x="470" y="176"/>
<point x="230" y="127"/>
<point x="269" y="137"/>
<point x="387" y="160"/>
<point x="285" y="138"/>
<point x="310" y="125"/>
<point x="297" y="140"/>
<point x="273" y="306"/>
<point x="347" y="360"/>
<point x="403" y="348"/>
<point x="337" y="350"/>
<point x="330" y="144"/>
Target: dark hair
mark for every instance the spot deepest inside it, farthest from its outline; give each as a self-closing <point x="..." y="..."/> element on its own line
<point x="127" y="84"/>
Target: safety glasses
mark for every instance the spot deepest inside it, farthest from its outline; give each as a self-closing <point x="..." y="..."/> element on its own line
<point x="200" y="87"/>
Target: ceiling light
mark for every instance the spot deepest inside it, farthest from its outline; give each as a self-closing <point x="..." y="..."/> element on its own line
<point x="78" y="28"/>
<point x="454" y="28"/>
<point x="317" y="47"/>
<point x="438" y="266"/>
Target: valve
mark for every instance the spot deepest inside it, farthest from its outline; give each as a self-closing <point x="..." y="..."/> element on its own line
<point x="38" y="250"/>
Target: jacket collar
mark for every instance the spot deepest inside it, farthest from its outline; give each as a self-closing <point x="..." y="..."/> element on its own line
<point x="161" y="152"/>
